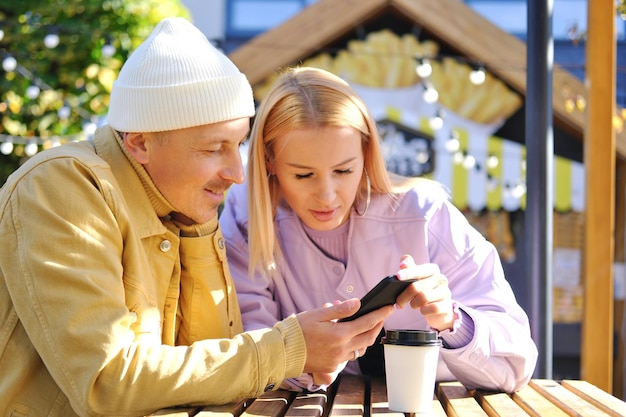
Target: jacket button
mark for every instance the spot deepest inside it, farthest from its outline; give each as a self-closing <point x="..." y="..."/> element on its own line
<point x="269" y="387"/>
<point x="220" y="243"/>
<point x="165" y="246"/>
<point x="349" y="288"/>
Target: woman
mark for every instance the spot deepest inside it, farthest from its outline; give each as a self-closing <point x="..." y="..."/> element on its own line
<point x="320" y="220"/>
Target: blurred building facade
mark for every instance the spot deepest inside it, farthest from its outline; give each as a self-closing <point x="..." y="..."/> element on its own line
<point x="233" y="22"/>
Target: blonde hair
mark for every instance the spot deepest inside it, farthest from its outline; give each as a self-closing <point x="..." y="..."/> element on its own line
<point x="302" y="98"/>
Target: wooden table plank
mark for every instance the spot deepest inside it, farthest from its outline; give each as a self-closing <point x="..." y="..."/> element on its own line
<point x="355" y="396"/>
<point x="271" y="404"/>
<point x="350" y="397"/>
<point x="438" y="410"/>
<point x="536" y="404"/>
<point x="233" y="409"/>
<point x="308" y="405"/>
<point x="499" y="404"/>
<point x="457" y="401"/>
<point x="566" y="400"/>
<point x="176" y="412"/>
<point x="379" y="405"/>
<point x="596" y="396"/>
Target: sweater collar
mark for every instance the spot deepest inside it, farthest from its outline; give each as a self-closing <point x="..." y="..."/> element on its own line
<point x="158" y="200"/>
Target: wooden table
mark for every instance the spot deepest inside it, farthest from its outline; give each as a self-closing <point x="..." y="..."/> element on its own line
<point x="363" y="397"/>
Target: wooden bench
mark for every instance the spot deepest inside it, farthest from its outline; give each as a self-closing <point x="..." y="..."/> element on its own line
<point x="364" y="397"/>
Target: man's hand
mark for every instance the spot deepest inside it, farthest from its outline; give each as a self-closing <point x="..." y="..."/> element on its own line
<point x="329" y="343"/>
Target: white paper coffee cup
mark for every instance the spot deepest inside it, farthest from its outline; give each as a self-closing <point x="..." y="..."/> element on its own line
<point x="411" y="368"/>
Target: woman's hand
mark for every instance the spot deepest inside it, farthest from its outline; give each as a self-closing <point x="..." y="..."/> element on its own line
<point x="430" y="294"/>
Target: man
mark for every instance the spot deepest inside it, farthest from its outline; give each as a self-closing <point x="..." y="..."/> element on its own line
<point x="115" y="294"/>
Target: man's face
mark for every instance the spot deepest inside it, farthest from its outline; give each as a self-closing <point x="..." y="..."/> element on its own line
<point x="193" y="167"/>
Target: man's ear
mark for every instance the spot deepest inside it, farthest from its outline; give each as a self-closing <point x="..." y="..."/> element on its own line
<point x="136" y="146"/>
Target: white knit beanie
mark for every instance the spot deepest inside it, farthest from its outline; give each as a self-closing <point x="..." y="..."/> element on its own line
<point x="177" y="79"/>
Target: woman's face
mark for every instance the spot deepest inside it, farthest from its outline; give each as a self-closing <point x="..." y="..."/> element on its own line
<point x="319" y="171"/>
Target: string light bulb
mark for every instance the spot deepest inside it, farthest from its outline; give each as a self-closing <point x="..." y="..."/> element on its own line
<point x="31" y="148"/>
<point x="477" y="75"/>
<point x="469" y="162"/>
<point x="492" y="162"/>
<point x="423" y="68"/>
<point x="436" y="122"/>
<point x="108" y="50"/>
<point x="453" y="145"/>
<point x="32" y="92"/>
<point x="51" y="40"/>
<point x="518" y="190"/>
<point x="6" y="147"/>
<point x="64" y="112"/>
<point x="430" y="95"/>
<point x="9" y="64"/>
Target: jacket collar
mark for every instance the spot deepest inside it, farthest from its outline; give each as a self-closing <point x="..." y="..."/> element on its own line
<point x="147" y="222"/>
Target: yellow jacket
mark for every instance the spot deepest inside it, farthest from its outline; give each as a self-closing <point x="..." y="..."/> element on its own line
<point x="106" y="310"/>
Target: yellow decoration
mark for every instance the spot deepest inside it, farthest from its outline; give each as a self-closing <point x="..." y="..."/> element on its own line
<point x="387" y="61"/>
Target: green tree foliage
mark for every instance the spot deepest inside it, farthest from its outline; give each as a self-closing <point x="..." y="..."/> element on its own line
<point x="55" y="90"/>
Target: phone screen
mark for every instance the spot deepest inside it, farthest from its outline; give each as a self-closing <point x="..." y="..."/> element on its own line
<point x="383" y="294"/>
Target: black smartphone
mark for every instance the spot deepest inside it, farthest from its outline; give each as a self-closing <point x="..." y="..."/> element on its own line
<point x="383" y="294"/>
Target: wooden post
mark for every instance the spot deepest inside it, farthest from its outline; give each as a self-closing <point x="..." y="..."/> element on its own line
<point x="599" y="157"/>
